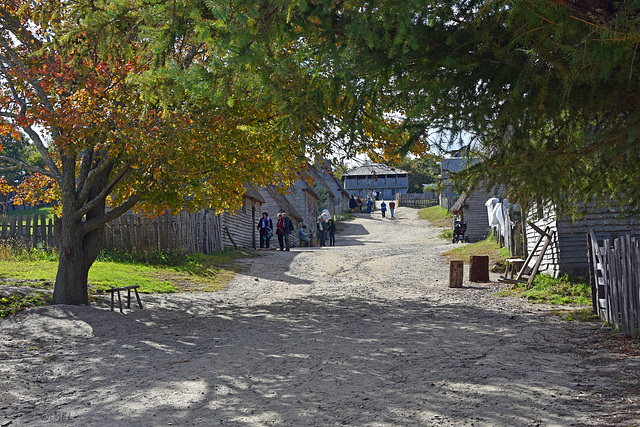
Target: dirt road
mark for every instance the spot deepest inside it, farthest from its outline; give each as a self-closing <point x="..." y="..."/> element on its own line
<point x="366" y="333"/>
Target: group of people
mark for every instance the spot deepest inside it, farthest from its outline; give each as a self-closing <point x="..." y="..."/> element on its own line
<point x="383" y="208"/>
<point x="326" y="228"/>
<point x="355" y="205"/>
<point x="284" y="227"/>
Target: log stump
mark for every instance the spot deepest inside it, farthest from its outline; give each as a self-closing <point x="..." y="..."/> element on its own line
<point x="456" y="272"/>
<point x="479" y="268"/>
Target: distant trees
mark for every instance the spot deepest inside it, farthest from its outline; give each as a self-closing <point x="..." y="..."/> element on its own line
<point x="421" y="171"/>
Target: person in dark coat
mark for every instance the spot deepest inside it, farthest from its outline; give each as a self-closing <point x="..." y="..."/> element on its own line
<point x="265" y="226"/>
<point x="280" y="231"/>
<point x="288" y="228"/>
<point x="352" y="204"/>
<point x="331" y="229"/>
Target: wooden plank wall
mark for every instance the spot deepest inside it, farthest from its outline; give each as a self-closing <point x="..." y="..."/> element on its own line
<point x="567" y="253"/>
<point x="242" y="225"/>
<point x="550" y="262"/>
<point x="615" y="281"/>
<point x="475" y="214"/>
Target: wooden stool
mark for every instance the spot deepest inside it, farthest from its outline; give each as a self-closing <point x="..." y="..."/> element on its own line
<point x="128" y="289"/>
<point x="513" y="266"/>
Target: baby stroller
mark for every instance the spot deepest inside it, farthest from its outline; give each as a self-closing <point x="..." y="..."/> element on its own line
<point x="459" y="228"/>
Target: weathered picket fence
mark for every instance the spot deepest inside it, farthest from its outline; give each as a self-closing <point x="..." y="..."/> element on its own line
<point x="614" y="267"/>
<point x="187" y="232"/>
<point x="30" y="231"/>
<point x="415" y="200"/>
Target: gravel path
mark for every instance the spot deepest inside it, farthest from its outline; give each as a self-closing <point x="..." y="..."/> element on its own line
<point x="366" y="333"/>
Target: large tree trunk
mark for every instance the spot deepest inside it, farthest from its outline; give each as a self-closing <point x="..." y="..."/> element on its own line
<point x="78" y="251"/>
<point x="79" y="246"/>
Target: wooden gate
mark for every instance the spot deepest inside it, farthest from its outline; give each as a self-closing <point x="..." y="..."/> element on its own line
<point x="614" y="270"/>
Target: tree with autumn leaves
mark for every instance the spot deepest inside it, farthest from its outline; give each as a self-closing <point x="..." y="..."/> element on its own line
<point x="106" y="147"/>
<point x="162" y="104"/>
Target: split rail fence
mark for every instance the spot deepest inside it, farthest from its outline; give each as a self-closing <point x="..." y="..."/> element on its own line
<point x="187" y="232"/>
<point x="614" y="267"/>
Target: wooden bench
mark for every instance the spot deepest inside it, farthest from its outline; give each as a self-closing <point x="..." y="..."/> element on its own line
<point x="112" y="291"/>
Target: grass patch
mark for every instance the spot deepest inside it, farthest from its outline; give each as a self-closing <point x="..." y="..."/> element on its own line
<point x="447" y="234"/>
<point x="31" y="212"/>
<point x="487" y="247"/>
<point x="153" y="271"/>
<point x="546" y="289"/>
<point x="579" y="315"/>
<point x="437" y="216"/>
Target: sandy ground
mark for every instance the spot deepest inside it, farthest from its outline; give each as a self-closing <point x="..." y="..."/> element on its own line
<point x="366" y="333"/>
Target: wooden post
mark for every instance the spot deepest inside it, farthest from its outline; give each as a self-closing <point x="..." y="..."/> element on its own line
<point x="456" y="272"/>
<point x="43" y="230"/>
<point x="479" y="268"/>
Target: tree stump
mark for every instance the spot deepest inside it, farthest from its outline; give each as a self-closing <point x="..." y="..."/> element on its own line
<point x="479" y="268"/>
<point x="456" y="272"/>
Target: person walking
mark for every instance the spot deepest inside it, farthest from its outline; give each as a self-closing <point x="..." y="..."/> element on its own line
<point x="322" y="231"/>
<point x="352" y="204"/>
<point x="331" y="228"/>
<point x="359" y="204"/>
<point x="369" y="202"/>
<point x="280" y="231"/>
<point x="288" y="228"/>
<point x="392" y="207"/>
<point x="265" y="227"/>
<point x="383" y="208"/>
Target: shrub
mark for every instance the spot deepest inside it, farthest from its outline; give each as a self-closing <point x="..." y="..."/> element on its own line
<point x="12" y="304"/>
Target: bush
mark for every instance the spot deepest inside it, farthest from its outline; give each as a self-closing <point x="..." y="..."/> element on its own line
<point x="12" y="304"/>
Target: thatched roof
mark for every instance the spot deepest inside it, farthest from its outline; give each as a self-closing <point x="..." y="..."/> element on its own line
<point x="284" y="203"/>
<point x="253" y="194"/>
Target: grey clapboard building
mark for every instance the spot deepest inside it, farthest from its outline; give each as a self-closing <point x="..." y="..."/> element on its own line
<point x="378" y="181"/>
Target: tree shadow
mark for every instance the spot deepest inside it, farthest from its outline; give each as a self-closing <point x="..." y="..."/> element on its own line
<point x="311" y="361"/>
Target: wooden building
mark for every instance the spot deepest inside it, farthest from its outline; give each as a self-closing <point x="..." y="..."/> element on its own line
<point x="380" y="179"/>
<point x="340" y="195"/>
<point x="239" y="227"/>
<point x="567" y="252"/>
<point x="471" y="208"/>
<point x="276" y="202"/>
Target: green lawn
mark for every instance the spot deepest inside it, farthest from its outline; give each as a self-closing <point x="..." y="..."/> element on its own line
<point x="437" y="216"/>
<point x="193" y="273"/>
<point x="32" y="212"/>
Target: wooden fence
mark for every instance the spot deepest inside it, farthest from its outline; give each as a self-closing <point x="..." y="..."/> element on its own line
<point x="614" y="267"/>
<point x="30" y="231"/>
<point x="415" y="200"/>
<point x="197" y="232"/>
